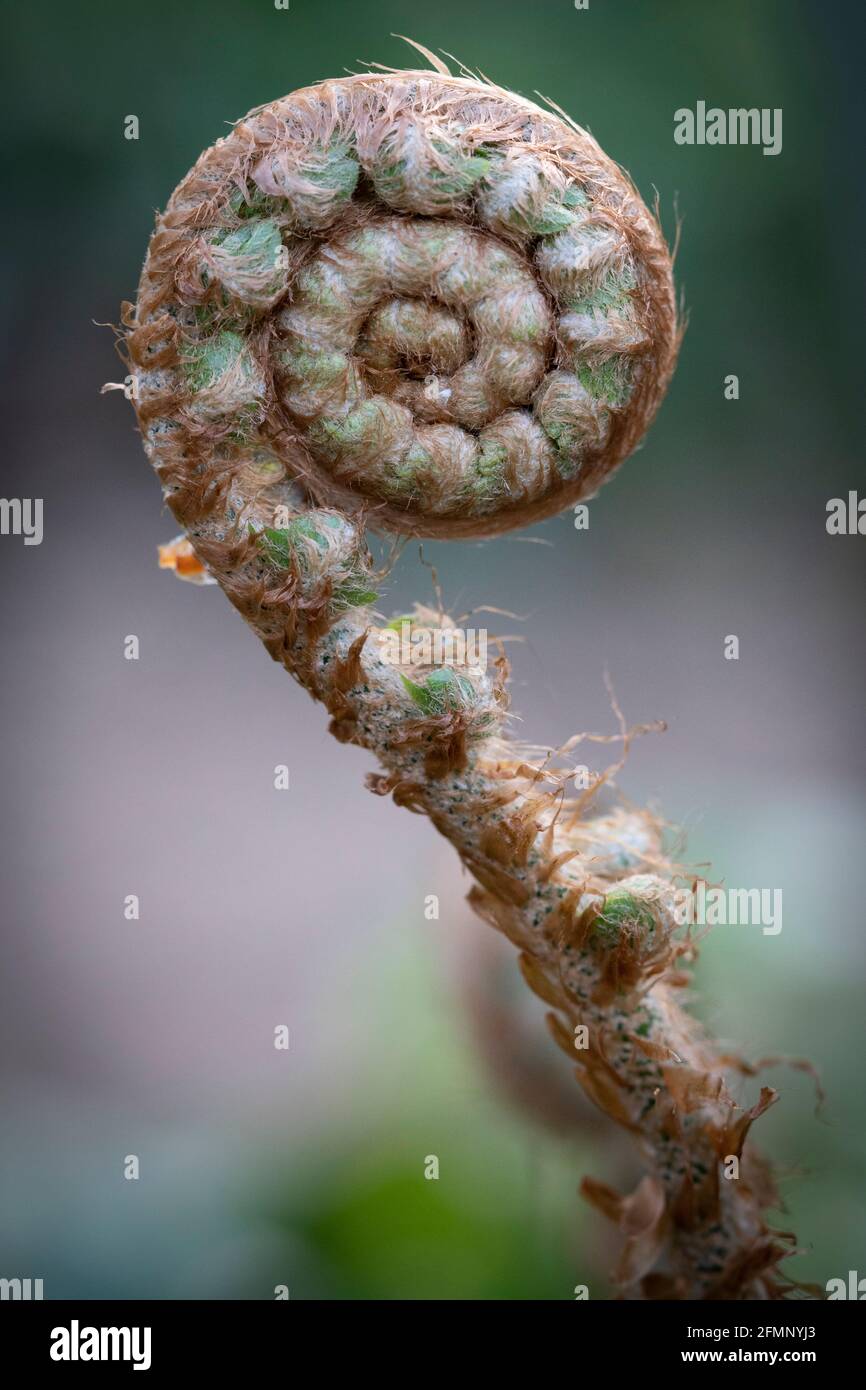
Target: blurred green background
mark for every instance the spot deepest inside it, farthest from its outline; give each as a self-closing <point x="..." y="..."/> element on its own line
<point x="307" y="1168"/>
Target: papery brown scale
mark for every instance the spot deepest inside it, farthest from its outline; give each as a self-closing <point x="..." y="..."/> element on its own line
<point x="691" y="1089"/>
<point x="540" y="983"/>
<point x="731" y="1138"/>
<point x="603" y="1089"/>
<point x="560" y="1034"/>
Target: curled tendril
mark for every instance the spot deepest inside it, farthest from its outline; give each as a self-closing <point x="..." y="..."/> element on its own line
<point x="420" y="302"/>
<point x="419" y="293"/>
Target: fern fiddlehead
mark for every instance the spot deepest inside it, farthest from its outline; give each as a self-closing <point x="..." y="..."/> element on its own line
<point x="417" y="302"/>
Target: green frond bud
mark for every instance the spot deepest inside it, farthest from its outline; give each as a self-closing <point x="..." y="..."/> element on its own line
<point x="224" y="377"/>
<point x="443" y="692"/>
<point x="622" y="913"/>
<point x="422" y="175"/>
<point x="353" y="594"/>
<point x="251" y="263"/>
<point x="310" y="185"/>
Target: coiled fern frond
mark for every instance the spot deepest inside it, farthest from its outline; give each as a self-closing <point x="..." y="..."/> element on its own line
<point x="419" y="303"/>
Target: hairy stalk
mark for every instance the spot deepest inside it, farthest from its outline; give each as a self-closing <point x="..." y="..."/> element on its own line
<point x="419" y="302"/>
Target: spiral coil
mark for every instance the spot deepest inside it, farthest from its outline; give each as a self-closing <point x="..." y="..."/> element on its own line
<point x="416" y="293"/>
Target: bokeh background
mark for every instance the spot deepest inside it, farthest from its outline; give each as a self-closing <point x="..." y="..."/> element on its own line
<point x="412" y="1037"/>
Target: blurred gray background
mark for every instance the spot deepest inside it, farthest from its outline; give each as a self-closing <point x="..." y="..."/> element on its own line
<point x="155" y="777"/>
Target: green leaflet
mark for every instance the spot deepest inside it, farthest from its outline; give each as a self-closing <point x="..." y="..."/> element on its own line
<point x="210" y="360"/>
<point x="396" y="624"/>
<point x="447" y="185"/>
<point x="259" y="240"/>
<point x="354" y="593"/>
<point x="619" y="911"/>
<point x="442" y="692"/>
<point x="225" y="381"/>
<point x="255" y="204"/>
<point x="339" y="173"/>
<point x="280" y="546"/>
<point x="611" y="295"/>
<point x="555" y="214"/>
<point x="608" y="381"/>
<point x="318" y="368"/>
<point x="567" y="440"/>
<point x="334" y="170"/>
